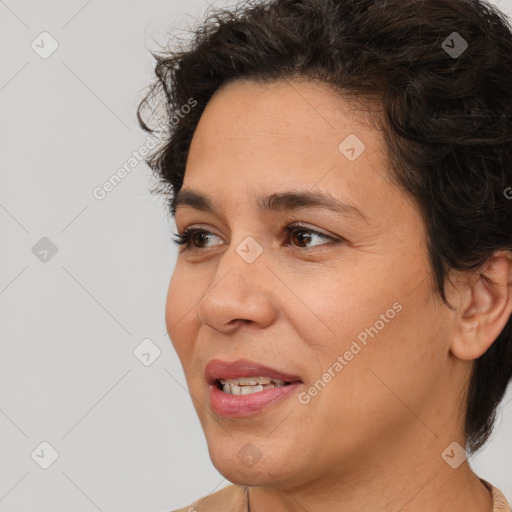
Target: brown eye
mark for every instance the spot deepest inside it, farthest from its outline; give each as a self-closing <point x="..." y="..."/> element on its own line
<point x="193" y="238"/>
<point x="200" y="238"/>
<point x="301" y="236"/>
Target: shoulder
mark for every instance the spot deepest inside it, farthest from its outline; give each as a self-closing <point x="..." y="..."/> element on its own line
<point x="233" y="499"/>
<point x="229" y="499"/>
<point x="499" y="502"/>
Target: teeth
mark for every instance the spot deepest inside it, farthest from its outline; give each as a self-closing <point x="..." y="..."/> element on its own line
<point x="233" y="389"/>
<point x="251" y="381"/>
<point x="248" y="385"/>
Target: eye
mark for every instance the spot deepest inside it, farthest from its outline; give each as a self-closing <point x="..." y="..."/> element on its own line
<point x="300" y="235"/>
<point x="190" y="235"/>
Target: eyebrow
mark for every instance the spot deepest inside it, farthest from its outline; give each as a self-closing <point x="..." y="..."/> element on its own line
<point x="279" y="201"/>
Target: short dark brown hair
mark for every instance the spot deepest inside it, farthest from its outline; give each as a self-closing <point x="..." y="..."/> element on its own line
<point x="446" y="110"/>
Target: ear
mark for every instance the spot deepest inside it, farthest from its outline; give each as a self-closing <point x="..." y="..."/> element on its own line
<point x="484" y="306"/>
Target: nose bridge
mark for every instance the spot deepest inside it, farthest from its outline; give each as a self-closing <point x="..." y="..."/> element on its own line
<point x="238" y="290"/>
<point x="241" y="266"/>
<point x="245" y="254"/>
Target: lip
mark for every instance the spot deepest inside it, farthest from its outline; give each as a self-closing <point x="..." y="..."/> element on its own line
<point x="217" y="369"/>
<point x="235" y="406"/>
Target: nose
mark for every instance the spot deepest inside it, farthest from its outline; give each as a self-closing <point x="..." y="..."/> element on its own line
<point x="240" y="293"/>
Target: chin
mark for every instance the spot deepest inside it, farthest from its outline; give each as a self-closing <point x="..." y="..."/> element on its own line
<point x="244" y="465"/>
<point x="246" y="477"/>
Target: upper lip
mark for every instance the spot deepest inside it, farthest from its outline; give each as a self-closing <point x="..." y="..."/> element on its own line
<point x="217" y="369"/>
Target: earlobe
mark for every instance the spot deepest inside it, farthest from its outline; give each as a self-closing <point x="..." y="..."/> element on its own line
<point x="486" y="307"/>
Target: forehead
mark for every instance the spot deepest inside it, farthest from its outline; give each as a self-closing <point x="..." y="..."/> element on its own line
<point x="295" y="115"/>
<point x="288" y="135"/>
<point x="296" y="125"/>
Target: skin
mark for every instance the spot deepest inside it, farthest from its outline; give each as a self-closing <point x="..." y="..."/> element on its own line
<point x="372" y="439"/>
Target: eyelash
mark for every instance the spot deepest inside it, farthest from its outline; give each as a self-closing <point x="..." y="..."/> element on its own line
<point x="185" y="239"/>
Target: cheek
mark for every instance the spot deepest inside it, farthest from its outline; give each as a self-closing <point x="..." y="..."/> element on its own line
<point x="350" y="307"/>
<point x="404" y="362"/>
<point x="377" y="383"/>
<point x="180" y="312"/>
<point x="385" y="336"/>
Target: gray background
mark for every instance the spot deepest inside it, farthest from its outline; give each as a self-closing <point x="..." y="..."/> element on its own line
<point x="126" y="434"/>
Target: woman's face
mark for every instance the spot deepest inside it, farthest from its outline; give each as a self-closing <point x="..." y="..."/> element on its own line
<point x="345" y="302"/>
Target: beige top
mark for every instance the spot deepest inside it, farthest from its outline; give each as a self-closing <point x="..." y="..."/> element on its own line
<point x="233" y="499"/>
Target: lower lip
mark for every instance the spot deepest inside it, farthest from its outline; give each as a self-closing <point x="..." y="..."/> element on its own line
<point x="235" y="406"/>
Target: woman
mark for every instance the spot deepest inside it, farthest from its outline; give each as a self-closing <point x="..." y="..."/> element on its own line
<point x="339" y="173"/>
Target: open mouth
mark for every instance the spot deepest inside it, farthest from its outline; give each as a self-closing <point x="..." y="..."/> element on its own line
<point x="231" y="379"/>
<point x="249" y="385"/>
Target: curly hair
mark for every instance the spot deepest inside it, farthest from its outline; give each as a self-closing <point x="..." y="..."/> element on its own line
<point x="447" y="119"/>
